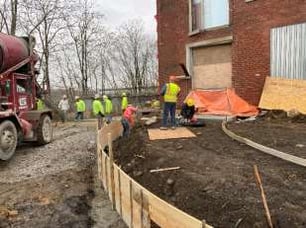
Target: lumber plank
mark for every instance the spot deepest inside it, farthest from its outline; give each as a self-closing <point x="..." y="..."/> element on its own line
<point x="287" y="157"/>
<point x="164" y="169"/>
<point x="263" y="196"/>
<point x="137" y="205"/>
<point x="125" y="197"/>
<point x="166" y="215"/>
<point x="115" y="128"/>
<point x="117" y="189"/>
<point x="103" y="158"/>
<point x="111" y="170"/>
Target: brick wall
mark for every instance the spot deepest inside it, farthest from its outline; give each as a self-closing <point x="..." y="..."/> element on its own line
<point x="251" y="47"/>
<point x="250" y="26"/>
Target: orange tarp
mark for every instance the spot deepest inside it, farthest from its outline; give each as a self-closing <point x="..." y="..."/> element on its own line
<point x="221" y="102"/>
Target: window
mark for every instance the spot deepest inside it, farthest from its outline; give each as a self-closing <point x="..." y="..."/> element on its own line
<point x="205" y="14"/>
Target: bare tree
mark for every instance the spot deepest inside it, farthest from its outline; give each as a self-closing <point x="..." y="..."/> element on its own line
<point x="84" y="27"/>
<point x="44" y="18"/>
<point x="8" y="16"/>
<point x="135" y="56"/>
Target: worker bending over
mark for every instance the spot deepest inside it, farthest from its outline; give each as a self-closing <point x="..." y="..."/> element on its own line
<point x="127" y="120"/>
<point x="188" y="110"/>
<point x="170" y="93"/>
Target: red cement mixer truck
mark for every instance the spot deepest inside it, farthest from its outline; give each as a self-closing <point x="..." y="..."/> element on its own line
<point x="19" y="119"/>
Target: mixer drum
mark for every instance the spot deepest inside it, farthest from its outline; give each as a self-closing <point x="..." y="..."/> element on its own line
<point x="13" y="50"/>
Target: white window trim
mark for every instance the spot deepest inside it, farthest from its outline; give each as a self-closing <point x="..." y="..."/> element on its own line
<point x="191" y="33"/>
<point x="205" y="43"/>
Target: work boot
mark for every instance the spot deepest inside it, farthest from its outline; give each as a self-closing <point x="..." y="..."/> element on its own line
<point x="163" y="128"/>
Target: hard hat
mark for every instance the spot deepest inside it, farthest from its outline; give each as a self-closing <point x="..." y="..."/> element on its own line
<point x="123" y="94"/>
<point x="190" y="102"/>
<point x="64" y="96"/>
<point x="97" y="96"/>
<point x="76" y="97"/>
<point x="172" y="78"/>
<point x="105" y="97"/>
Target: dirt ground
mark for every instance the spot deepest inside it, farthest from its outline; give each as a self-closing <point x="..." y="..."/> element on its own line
<point x="55" y="185"/>
<point x="216" y="180"/>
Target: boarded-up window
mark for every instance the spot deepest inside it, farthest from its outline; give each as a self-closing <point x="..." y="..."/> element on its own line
<point x="288" y="52"/>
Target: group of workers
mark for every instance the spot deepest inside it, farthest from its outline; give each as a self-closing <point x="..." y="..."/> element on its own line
<point x="170" y="91"/>
<point x="100" y="108"/>
<point x="104" y="108"/>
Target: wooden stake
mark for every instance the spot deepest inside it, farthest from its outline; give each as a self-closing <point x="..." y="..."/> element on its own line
<point x="111" y="163"/>
<point x="263" y="196"/>
<point x="164" y="169"/>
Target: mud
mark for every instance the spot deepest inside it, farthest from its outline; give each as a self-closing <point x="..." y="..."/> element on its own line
<point x="216" y="181"/>
<point x="55" y="185"/>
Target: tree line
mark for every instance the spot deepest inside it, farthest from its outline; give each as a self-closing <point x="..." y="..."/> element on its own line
<point x="78" y="52"/>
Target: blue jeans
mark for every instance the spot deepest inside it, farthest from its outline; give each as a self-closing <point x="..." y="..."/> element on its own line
<point x="169" y="107"/>
<point x="79" y="116"/>
<point x="126" y="127"/>
<point x="108" y="118"/>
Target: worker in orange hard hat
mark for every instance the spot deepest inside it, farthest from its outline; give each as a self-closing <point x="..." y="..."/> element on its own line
<point x="170" y="92"/>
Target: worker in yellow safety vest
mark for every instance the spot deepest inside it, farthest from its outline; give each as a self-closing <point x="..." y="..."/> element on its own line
<point x="170" y="93"/>
<point x="108" y="108"/>
<point x="97" y="107"/>
<point x="40" y="105"/>
<point x="124" y="102"/>
<point x="80" y="108"/>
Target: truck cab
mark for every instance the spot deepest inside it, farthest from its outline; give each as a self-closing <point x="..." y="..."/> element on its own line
<point x="20" y="121"/>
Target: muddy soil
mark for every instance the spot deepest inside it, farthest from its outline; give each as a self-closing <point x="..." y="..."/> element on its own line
<point x="216" y="180"/>
<point x="55" y="185"/>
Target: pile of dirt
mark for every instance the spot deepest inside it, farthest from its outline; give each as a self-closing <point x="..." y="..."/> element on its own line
<point x="216" y="180"/>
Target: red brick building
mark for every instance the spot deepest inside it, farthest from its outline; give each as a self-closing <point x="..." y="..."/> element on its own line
<point x="231" y="43"/>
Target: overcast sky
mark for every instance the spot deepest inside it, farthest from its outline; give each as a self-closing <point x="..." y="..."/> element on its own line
<point x="119" y="11"/>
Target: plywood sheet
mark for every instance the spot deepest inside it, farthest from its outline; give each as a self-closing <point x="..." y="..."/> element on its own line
<point x="181" y="132"/>
<point x="284" y="94"/>
<point x="212" y="67"/>
<point x="212" y="76"/>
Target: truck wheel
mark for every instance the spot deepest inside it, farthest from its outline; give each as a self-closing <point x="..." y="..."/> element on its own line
<point x="8" y="139"/>
<point x="44" y="130"/>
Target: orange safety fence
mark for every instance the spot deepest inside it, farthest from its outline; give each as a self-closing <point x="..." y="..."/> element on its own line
<point x="221" y="102"/>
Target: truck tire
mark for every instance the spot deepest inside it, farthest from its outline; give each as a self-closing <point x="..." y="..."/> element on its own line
<point x="8" y="139"/>
<point x="44" y="130"/>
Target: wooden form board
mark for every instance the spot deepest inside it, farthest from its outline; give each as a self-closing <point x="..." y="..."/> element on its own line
<point x="136" y="205"/>
<point x="181" y="132"/>
<point x="284" y="94"/>
<point x="115" y="128"/>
